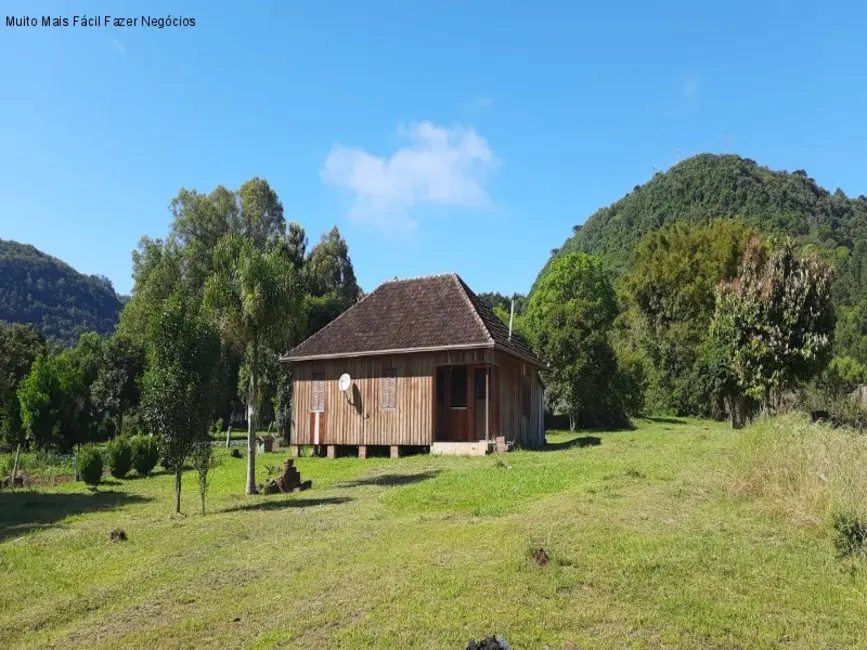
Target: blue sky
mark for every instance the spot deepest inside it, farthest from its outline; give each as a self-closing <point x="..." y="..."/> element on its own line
<point x="438" y="136"/>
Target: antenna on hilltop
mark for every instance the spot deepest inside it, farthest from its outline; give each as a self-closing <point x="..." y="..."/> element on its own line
<point x="726" y="145"/>
<point x="676" y="156"/>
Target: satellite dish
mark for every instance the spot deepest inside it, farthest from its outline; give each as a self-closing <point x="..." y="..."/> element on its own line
<point x="344" y="382"/>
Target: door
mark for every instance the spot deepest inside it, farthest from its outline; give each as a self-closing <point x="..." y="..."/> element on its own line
<point x="455" y="401"/>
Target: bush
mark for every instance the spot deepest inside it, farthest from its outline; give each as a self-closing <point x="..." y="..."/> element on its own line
<point x="850" y="533"/>
<point x="145" y="454"/>
<point x="118" y="457"/>
<point x="90" y="465"/>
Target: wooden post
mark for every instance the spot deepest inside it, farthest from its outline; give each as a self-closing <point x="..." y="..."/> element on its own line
<point x="362" y="451"/>
<point x="394" y="451"/>
<point x="228" y="437"/>
<point x="488" y="404"/>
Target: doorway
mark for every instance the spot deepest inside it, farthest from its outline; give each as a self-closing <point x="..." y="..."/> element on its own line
<point x="462" y="398"/>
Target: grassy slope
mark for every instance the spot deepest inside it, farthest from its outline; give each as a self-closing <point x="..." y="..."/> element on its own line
<point x="650" y="548"/>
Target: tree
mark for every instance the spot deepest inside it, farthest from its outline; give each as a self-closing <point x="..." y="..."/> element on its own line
<point x="82" y="364"/>
<point x="158" y="271"/>
<point x="203" y="461"/>
<point x="296" y="245"/>
<point x="116" y="388"/>
<point x="261" y="213"/>
<point x="850" y="339"/>
<point x="329" y="270"/>
<point x="775" y="322"/>
<point x="570" y="314"/>
<point x="49" y="408"/>
<point x="20" y="345"/>
<point x="257" y="300"/>
<point x="184" y="370"/>
<point x="671" y="288"/>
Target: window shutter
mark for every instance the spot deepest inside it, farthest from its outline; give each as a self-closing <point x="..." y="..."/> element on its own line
<point x="318" y="393"/>
<point x="388" y="390"/>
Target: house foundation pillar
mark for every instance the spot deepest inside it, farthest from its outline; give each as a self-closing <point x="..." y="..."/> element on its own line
<point x="362" y="451"/>
<point x="294" y="451"/>
<point x="329" y="451"/>
<point x="394" y="451"/>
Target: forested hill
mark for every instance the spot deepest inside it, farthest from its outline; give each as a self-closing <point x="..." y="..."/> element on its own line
<point x="58" y="300"/>
<point x="709" y="186"/>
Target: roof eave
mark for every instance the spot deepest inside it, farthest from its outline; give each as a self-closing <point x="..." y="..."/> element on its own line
<point x="379" y="353"/>
<point x="515" y="353"/>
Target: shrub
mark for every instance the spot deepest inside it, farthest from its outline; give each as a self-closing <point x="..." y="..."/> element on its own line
<point x="145" y="454"/>
<point x="850" y="533"/>
<point x="90" y="465"/>
<point x="118" y="456"/>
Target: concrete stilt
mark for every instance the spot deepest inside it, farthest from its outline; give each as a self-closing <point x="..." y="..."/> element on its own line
<point x="294" y="451"/>
<point x="395" y="451"/>
<point x="362" y="451"/>
<point x="329" y="452"/>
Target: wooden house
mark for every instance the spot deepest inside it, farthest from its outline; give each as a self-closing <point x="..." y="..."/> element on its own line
<point x="429" y="365"/>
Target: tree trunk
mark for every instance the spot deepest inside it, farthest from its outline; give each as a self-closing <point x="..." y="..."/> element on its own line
<point x="203" y="504"/>
<point x="252" y="396"/>
<point x="75" y="461"/>
<point x="178" y="472"/>
<point x="228" y="436"/>
<point x="735" y="407"/>
<point x="15" y="464"/>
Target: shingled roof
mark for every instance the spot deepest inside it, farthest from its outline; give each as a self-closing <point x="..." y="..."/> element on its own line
<point x="438" y="312"/>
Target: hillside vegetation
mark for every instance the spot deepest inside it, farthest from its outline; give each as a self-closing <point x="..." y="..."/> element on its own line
<point x="708" y="187"/>
<point x="57" y="300"/>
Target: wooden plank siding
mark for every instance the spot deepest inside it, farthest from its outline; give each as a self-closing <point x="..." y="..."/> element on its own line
<point x="357" y="417"/>
<point x="520" y="421"/>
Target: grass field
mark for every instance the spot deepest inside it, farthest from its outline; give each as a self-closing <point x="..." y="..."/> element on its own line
<point x="650" y="545"/>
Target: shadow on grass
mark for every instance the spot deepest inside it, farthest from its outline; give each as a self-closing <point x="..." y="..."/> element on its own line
<point x="581" y="441"/>
<point x="664" y="419"/>
<point x="390" y="480"/>
<point x="25" y="510"/>
<point x="288" y="503"/>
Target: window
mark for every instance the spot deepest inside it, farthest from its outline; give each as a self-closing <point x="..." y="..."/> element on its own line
<point x="317" y="394"/>
<point x="388" y="390"/>
<point x="459" y="386"/>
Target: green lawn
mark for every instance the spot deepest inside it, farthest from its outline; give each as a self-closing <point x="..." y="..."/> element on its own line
<point x="649" y="544"/>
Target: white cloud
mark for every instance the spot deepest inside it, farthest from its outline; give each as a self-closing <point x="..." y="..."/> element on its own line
<point x="118" y="46"/>
<point x="439" y="166"/>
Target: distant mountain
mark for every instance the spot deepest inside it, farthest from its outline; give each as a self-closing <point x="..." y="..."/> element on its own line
<point x="55" y="298"/>
<point x="708" y="187"/>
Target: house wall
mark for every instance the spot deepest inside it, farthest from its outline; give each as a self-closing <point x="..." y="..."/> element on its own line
<point x="357" y="417"/>
<point x="519" y="424"/>
<point x="363" y="421"/>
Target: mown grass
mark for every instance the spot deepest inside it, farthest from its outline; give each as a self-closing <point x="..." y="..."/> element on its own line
<point x="652" y="543"/>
